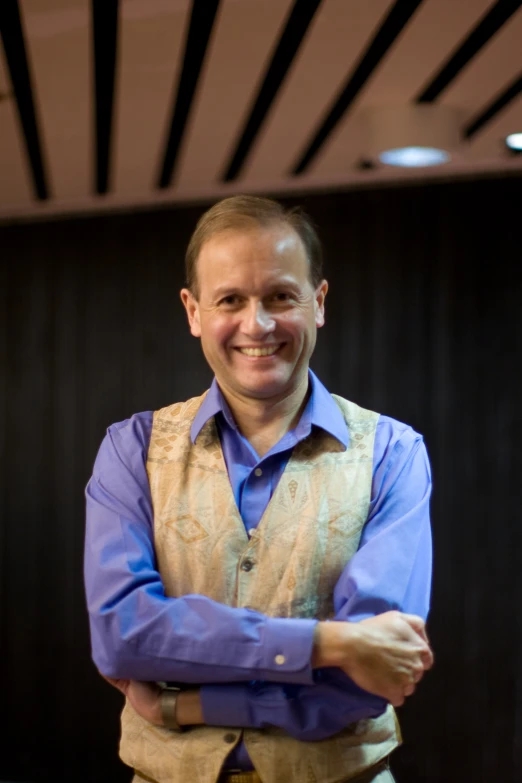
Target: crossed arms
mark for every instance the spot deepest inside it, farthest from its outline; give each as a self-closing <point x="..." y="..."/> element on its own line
<point x="309" y="678"/>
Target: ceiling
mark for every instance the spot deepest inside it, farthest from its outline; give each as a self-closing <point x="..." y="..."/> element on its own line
<point x="106" y="104"/>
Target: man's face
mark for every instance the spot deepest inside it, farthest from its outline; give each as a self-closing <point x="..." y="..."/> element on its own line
<point x="257" y="313"/>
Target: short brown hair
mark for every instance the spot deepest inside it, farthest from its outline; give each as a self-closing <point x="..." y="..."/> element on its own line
<point x="245" y="212"/>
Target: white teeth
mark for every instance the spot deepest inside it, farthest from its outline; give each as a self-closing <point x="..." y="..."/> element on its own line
<point x="259" y="351"/>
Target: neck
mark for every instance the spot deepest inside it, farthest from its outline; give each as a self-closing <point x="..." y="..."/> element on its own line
<point x="263" y="422"/>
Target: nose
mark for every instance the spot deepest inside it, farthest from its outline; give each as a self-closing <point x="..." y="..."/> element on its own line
<point x="258" y="321"/>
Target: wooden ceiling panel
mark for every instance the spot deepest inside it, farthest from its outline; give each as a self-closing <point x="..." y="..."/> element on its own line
<point x="57" y="42"/>
<point x="212" y="98"/>
<point x="15" y="180"/>
<point x="438" y="26"/>
<point x="239" y="52"/>
<point x="334" y="42"/>
<point x="152" y="35"/>
<point x="490" y="141"/>
<point x="494" y="66"/>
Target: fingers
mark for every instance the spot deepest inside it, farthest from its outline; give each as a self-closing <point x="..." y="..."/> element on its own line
<point x="408" y="689"/>
<point x="405" y="685"/>
<point x="399" y="695"/>
<point x="413" y="676"/>
<point x="427" y="658"/>
<point x="418" y="675"/>
<point x="418" y="625"/>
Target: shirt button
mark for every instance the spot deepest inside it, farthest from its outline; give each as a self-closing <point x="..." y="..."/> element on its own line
<point x="280" y="660"/>
<point x="258" y="472"/>
<point x="247" y="564"/>
<point x="251" y="531"/>
<point x="229" y="738"/>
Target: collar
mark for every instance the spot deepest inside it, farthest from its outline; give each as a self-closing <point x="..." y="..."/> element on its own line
<point x="320" y="411"/>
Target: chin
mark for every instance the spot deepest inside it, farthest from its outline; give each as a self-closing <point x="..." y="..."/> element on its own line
<point x="266" y="388"/>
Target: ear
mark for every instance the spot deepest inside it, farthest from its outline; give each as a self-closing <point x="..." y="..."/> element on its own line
<point x="192" y="307"/>
<point x="320" y="296"/>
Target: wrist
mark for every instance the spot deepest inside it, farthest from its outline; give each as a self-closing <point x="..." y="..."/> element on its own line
<point x="189" y="710"/>
<point x="169" y="709"/>
<point x="333" y="643"/>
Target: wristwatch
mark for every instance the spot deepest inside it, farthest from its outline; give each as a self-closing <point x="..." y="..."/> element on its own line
<point x="168" y="699"/>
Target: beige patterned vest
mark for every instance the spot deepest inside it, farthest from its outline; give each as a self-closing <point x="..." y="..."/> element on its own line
<point x="309" y="531"/>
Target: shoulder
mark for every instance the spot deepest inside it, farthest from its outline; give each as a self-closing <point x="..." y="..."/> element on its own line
<point x="125" y="443"/>
<point x="353" y="412"/>
<point x="394" y="439"/>
<point x="181" y="410"/>
<point x="399" y="459"/>
<point x="393" y="432"/>
<point x="394" y="443"/>
<point x="132" y="431"/>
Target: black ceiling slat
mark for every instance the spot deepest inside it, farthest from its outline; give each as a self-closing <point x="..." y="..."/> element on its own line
<point x="505" y="97"/>
<point x="486" y="28"/>
<point x="397" y="18"/>
<point x="198" y="36"/>
<point x="16" y="57"/>
<point x="105" y="43"/>
<point x="291" y="38"/>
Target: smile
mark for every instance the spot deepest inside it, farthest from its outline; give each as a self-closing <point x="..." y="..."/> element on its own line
<point x="266" y="351"/>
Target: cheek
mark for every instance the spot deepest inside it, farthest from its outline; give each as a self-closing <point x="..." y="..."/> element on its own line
<point x="298" y="322"/>
<point x="217" y="332"/>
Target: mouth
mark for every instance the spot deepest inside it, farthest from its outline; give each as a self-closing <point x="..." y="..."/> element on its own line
<point x="263" y="352"/>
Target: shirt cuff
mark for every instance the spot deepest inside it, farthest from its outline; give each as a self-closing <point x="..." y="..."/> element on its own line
<point x="225" y="705"/>
<point x="286" y="651"/>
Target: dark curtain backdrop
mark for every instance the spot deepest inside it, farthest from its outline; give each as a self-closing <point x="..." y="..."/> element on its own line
<point x="424" y="324"/>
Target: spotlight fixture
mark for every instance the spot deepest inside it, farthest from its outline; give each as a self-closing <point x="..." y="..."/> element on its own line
<point x="410" y="157"/>
<point x="514" y="142"/>
<point x="411" y="136"/>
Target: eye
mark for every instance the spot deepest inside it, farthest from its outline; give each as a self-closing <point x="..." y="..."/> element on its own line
<point x="281" y="296"/>
<point x="229" y="301"/>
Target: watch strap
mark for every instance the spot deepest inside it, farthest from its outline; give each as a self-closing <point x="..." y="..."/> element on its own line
<point x="168" y="699"/>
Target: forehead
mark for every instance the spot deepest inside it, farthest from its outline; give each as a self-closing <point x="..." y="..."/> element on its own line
<point x="252" y="251"/>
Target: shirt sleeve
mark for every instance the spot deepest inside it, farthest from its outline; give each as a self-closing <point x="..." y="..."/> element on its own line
<point x="391" y="570"/>
<point x="137" y="632"/>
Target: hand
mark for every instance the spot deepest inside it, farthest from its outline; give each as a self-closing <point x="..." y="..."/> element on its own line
<point x="145" y="697"/>
<point x="390" y="656"/>
<point x="385" y="655"/>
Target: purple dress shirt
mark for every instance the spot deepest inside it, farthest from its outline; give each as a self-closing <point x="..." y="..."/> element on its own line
<point x="235" y="654"/>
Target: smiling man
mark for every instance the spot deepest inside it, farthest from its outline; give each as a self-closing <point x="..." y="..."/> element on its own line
<point x="258" y="559"/>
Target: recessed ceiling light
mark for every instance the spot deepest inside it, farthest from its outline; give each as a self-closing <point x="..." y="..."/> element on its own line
<point x="514" y="141"/>
<point x="412" y="136"/>
<point x="411" y="157"/>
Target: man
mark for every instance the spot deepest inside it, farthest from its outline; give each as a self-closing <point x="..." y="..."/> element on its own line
<point x="230" y="538"/>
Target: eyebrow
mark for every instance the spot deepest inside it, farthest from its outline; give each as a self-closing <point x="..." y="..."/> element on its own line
<point x="281" y="283"/>
<point x="221" y="292"/>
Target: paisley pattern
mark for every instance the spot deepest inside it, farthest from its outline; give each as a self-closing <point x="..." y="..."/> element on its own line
<point x="309" y="531"/>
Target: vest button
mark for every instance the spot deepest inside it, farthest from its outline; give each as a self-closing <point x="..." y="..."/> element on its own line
<point x="229" y="738"/>
<point x="247" y="564"/>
